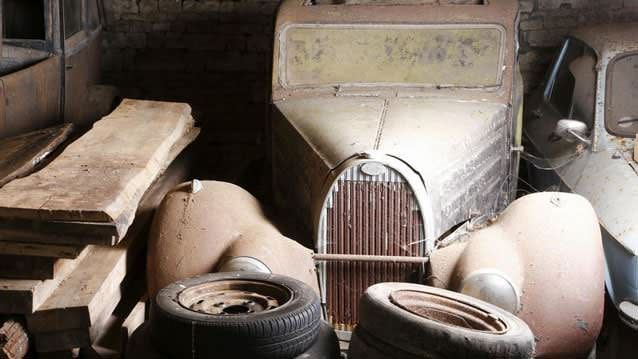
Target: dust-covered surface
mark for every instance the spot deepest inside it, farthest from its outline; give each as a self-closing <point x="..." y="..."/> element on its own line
<point x="460" y="56"/>
<point x="622" y="110"/>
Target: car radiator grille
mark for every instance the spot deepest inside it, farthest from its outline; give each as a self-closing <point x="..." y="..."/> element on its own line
<point x="372" y="216"/>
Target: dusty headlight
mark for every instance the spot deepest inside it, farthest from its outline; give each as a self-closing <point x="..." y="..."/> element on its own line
<point x="243" y="264"/>
<point x="492" y="287"/>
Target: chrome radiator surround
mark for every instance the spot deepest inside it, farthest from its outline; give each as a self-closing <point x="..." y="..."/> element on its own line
<point x="370" y="208"/>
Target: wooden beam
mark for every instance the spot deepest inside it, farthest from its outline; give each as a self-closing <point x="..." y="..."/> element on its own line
<point x="102" y="176"/>
<point x="14" y="340"/>
<point x="22" y="296"/>
<point x="23" y="267"/>
<point x="40" y="250"/>
<point x="96" y="283"/>
<point x="20" y="155"/>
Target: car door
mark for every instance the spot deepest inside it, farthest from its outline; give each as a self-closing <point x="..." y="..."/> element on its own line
<point x="569" y="92"/>
<point x="30" y="76"/>
<point x="82" y="42"/>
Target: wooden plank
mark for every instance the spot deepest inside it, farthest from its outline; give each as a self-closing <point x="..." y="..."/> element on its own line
<point x="14" y="340"/>
<point x="40" y="250"/>
<point x="20" y="155"/>
<point x="136" y="317"/>
<point x="22" y="267"/>
<point x="76" y="233"/>
<point x="84" y="295"/>
<point x="22" y="296"/>
<point x="102" y="176"/>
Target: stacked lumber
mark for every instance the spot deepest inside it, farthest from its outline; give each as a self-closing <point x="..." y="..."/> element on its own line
<point x="14" y="341"/>
<point x="73" y="233"/>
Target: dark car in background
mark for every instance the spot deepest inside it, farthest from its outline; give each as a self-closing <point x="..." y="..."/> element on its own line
<point x="50" y="64"/>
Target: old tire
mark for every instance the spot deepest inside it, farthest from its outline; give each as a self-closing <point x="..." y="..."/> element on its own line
<point x="325" y="347"/>
<point x="413" y="321"/>
<point x="139" y="345"/>
<point x="238" y="314"/>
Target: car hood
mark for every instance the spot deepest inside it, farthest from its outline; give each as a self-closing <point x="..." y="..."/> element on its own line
<point x="425" y="133"/>
<point x="460" y="149"/>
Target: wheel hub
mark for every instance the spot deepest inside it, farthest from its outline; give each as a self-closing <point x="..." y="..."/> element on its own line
<point x="448" y="311"/>
<point x="234" y="297"/>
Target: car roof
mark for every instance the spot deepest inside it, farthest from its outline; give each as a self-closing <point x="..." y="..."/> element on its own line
<point x="610" y="40"/>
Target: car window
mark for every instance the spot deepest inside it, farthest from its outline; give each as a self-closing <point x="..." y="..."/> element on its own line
<point x="72" y="17"/>
<point x="621" y="115"/>
<point x="412" y="55"/>
<point x="572" y="83"/>
<point x="23" y="19"/>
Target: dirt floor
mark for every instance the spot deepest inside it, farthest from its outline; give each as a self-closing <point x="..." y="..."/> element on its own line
<point x="616" y="341"/>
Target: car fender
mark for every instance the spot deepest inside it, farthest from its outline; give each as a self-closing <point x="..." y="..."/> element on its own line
<point x="200" y="226"/>
<point x="548" y="246"/>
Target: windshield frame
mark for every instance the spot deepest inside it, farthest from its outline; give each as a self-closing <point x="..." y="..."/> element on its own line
<point x="282" y="63"/>
<point x="612" y="127"/>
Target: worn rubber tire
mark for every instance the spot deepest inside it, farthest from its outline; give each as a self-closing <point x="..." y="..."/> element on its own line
<point x="286" y="331"/>
<point x="139" y="345"/>
<point x="325" y="347"/>
<point x="388" y="328"/>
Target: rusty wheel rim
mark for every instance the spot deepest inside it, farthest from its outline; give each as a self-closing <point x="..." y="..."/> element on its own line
<point x="234" y="297"/>
<point x="449" y="311"/>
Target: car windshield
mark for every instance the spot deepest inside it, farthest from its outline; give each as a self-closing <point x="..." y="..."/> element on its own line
<point x="622" y="108"/>
<point x="408" y="55"/>
<point x="571" y="86"/>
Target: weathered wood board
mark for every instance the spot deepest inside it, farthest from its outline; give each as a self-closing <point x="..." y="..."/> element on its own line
<point x="14" y="340"/>
<point x="40" y="250"/>
<point x="23" y="296"/>
<point x="95" y="286"/>
<point x="23" y="267"/>
<point x="20" y="155"/>
<point x="102" y="176"/>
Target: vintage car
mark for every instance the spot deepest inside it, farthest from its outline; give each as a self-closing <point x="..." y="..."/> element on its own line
<point x="50" y="64"/>
<point x="390" y="129"/>
<point x="581" y="128"/>
<point x="396" y="132"/>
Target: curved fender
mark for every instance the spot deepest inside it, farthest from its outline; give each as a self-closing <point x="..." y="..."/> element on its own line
<point x="548" y="245"/>
<point x="193" y="231"/>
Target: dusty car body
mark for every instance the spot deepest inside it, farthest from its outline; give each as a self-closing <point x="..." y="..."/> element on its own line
<point x="49" y="64"/>
<point x="396" y="131"/>
<point x="533" y="266"/>
<point x="209" y="226"/>
<point x="582" y="124"/>
<point x="393" y="124"/>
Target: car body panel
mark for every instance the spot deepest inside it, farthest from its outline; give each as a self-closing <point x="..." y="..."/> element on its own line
<point x="534" y="244"/>
<point x="31" y="97"/>
<point x="219" y="222"/>
<point x="605" y="172"/>
<point x="336" y="128"/>
<point x="48" y="79"/>
<point x="455" y="147"/>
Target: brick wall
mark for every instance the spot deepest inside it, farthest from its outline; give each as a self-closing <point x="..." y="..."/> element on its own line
<point x="545" y="22"/>
<point x="215" y="54"/>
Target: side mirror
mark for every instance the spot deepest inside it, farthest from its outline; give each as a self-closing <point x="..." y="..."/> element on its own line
<point x="572" y="131"/>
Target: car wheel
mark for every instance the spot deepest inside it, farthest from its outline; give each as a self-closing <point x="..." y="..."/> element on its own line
<point x="408" y="321"/>
<point x="238" y="314"/>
